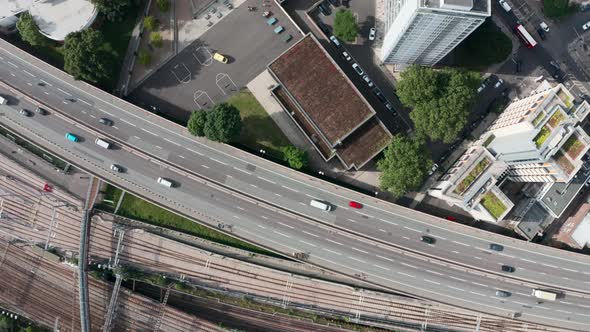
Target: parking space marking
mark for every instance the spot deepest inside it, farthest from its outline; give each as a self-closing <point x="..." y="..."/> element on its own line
<point x="207" y="59"/>
<point x="181" y="72"/>
<point x="203" y="104"/>
<point x="225" y="83"/>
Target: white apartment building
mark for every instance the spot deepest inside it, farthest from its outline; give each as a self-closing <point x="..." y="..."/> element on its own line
<point x="425" y="31"/>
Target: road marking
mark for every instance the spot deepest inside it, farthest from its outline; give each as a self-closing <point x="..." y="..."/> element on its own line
<point x="478" y="284"/>
<point x="100" y="109"/>
<point x="503" y="254"/>
<point x="455" y="252"/>
<point x="365" y="215"/>
<point x="338" y="243"/>
<point x="549" y="265"/>
<point x="261" y="226"/>
<point x="290" y="189"/>
<point x="63" y="101"/>
<point x="482" y="249"/>
<point x="523" y="294"/>
<point x="311" y="234"/>
<point x="565" y="278"/>
<point x="453" y="277"/>
<point x="434" y="272"/>
<point x="432" y="282"/>
<point x="571" y="270"/>
<point x="194" y="151"/>
<point x="587" y="273"/>
<point x="456" y="288"/>
<point x="405" y="237"/>
<point x="65" y="92"/>
<point x="12" y="74"/>
<point x="267" y="180"/>
<point x="407" y="275"/>
<point x="181" y="156"/>
<point x="46" y="83"/>
<point x="302" y="203"/>
<point x="205" y="166"/>
<point x="264" y="217"/>
<point x="253" y="185"/>
<point x="236" y="217"/>
<point x="477" y="257"/>
<point x="520" y="303"/>
<point x="241" y="208"/>
<point x="84" y="101"/>
<point x="565" y="312"/>
<point x="309" y="244"/>
<point x="171" y="141"/>
<point x="92" y="116"/>
<point x="582" y="315"/>
<point x="565" y="302"/>
<point x="278" y="195"/>
<point x="382" y="230"/>
<point x="351" y="220"/>
<point x="45" y="92"/>
<point x="332" y="251"/>
<point x="285" y="235"/>
<point x="585" y="306"/>
<point x="380" y="267"/>
<point x="83" y="112"/>
<point x="539" y="307"/>
<point x="353" y="248"/>
<point x="343" y="207"/>
<point x="358" y="260"/>
<point x="29" y="84"/>
<point x="159" y="147"/>
<point x="12" y="64"/>
<point x="389" y="222"/>
<point x="149" y="132"/>
<point x="310" y="196"/>
<point x="528" y="260"/>
<point x="408" y="265"/>
<point x="241" y="170"/>
<point x="440" y="237"/>
<point x="218" y="161"/>
<point x="461" y="243"/>
<point x="289" y="226"/>
<point x="476" y="293"/>
<point x="137" y="137"/>
<point x="385" y="258"/>
<point x="26" y="72"/>
<point x="412" y="229"/>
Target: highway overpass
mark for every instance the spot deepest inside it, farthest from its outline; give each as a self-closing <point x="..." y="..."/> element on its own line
<point x="269" y="204"/>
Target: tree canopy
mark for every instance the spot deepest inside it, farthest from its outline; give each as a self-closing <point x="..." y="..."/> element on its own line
<point x="29" y="31"/>
<point x="345" y="26"/>
<point x="223" y="123"/>
<point x="440" y="99"/>
<point x="83" y="57"/>
<point x="150" y="23"/>
<point x="196" y="123"/>
<point x="404" y="166"/>
<point x="296" y="158"/>
<point x="112" y="9"/>
<point x="163" y="5"/>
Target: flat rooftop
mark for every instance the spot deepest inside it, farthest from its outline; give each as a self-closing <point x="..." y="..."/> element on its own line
<point x="57" y="18"/>
<point x="13" y="7"/>
<point x="560" y="194"/>
<point x="327" y="97"/>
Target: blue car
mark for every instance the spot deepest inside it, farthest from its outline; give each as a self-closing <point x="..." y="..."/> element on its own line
<point x="72" y="137"/>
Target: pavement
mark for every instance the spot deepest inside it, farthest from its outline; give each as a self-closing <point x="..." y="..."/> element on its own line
<point x="268" y="205"/>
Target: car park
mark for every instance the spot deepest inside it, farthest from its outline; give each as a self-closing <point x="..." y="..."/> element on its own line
<point x="586" y="26"/>
<point x="355" y="205"/>
<point x="346" y="56"/>
<point x="379" y="95"/>
<point x="335" y="41"/>
<point x="368" y="80"/>
<point x="358" y="69"/>
<point x="41" y="111"/>
<point x="496" y="247"/>
<point x="25" y="112"/>
<point x="544" y="26"/>
<point x="372" y="33"/>
<point x="507" y="268"/>
<point x="427" y="239"/>
<point x="106" y="121"/>
<point x="499" y="83"/>
<point x="501" y="293"/>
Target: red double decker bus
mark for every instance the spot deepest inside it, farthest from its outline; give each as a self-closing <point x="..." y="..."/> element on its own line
<point x="525" y="36"/>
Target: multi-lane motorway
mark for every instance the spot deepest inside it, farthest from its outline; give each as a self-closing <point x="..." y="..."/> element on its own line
<point x="269" y="205"/>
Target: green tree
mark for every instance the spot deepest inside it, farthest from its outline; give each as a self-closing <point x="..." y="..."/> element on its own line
<point x="345" y="26"/>
<point x="83" y="57"/>
<point x="404" y="166"/>
<point x="29" y="31"/>
<point x="156" y="39"/>
<point x="113" y="10"/>
<point x="223" y="123"/>
<point x="296" y="158"/>
<point x="150" y="23"/>
<point x="440" y="100"/>
<point x="144" y="57"/>
<point x="196" y="123"/>
<point x="163" y="5"/>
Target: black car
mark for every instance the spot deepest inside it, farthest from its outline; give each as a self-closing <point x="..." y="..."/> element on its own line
<point x="106" y="122"/>
<point x="324" y="8"/>
<point x="518" y="64"/>
<point x="41" y="111"/>
<point x="345" y="3"/>
<point x="541" y="33"/>
<point x="496" y="247"/>
<point x="335" y="3"/>
<point x="507" y="268"/>
<point x="25" y="112"/>
<point x="379" y="95"/>
<point x="427" y="239"/>
<point x="324" y="27"/>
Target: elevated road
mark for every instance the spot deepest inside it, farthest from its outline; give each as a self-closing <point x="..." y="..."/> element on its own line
<point x="269" y="205"/>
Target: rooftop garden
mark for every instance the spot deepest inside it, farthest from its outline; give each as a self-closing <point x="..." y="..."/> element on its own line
<point x="565" y="98"/>
<point x="540" y="117"/>
<point x="493" y="204"/>
<point x="573" y="147"/>
<point x="556" y="118"/>
<point x="564" y="163"/>
<point x="472" y="176"/>
<point x="489" y="140"/>
<point x="542" y="136"/>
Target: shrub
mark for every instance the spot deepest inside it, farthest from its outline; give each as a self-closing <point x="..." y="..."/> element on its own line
<point x="156" y="39"/>
<point x="163" y="5"/>
<point x="150" y="23"/>
<point x="144" y="57"/>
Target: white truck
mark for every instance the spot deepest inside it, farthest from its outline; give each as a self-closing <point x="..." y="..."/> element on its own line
<point x="544" y="295"/>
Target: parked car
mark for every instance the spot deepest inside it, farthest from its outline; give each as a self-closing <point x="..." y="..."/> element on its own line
<point x="433" y="169"/>
<point x="335" y="3"/>
<point x="586" y="26"/>
<point x="355" y="205"/>
<point x="481" y="87"/>
<point x="507" y="268"/>
<point x="106" y="121"/>
<point x="504" y="5"/>
<point x="372" y="33"/>
<point x="41" y="111"/>
<point x="368" y="80"/>
<point x="499" y="83"/>
<point x="544" y="26"/>
<point x="346" y="56"/>
<point x="220" y="57"/>
<point x="390" y="108"/>
<point x="379" y="95"/>
<point x="451" y="218"/>
<point x="358" y="69"/>
<point x="324" y="8"/>
<point x="324" y="27"/>
<point x="335" y="41"/>
<point x="496" y="247"/>
<point x="541" y="33"/>
<point x="25" y="112"/>
<point x="346" y="3"/>
<point x="427" y="239"/>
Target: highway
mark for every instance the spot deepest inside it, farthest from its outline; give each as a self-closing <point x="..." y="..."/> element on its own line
<point x="427" y="271"/>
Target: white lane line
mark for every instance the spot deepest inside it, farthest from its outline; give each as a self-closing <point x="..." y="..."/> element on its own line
<point x="241" y="170"/>
<point x="83" y="112"/>
<point x="456" y="288"/>
<point x="84" y="101"/>
<point x="432" y="282"/>
<point x="12" y="64"/>
<point x="264" y="217"/>
<point x="565" y="278"/>
<point x="528" y="260"/>
<point x="278" y="195"/>
<point x="358" y="260"/>
<point x="332" y="251"/>
<point x="253" y="185"/>
<point x="585" y="306"/>
<point x="181" y="156"/>
<point x="136" y="137"/>
<point x="281" y="234"/>
<point x="267" y="180"/>
<point x="434" y="272"/>
<point x="476" y="293"/>
<point x="355" y="249"/>
<point x="364" y="214"/>
<point x="288" y="226"/>
<point x="65" y="92"/>
<point x="407" y="275"/>
<point x="343" y="207"/>
<point x="461" y="243"/>
<point x="351" y="220"/>
<point x="92" y="116"/>
<point x="389" y="222"/>
<point x="455" y="252"/>
<point x="12" y="74"/>
<point x="171" y="141"/>
<point x="523" y="294"/>
<point x="45" y="92"/>
<point x="440" y="237"/>
<point x="111" y="114"/>
<point x="412" y="229"/>
<point x="46" y="83"/>
<point x="520" y="303"/>
<point x="218" y="161"/>
<point x="382" y="230"/>
<point x="195" y="151"/>
<point x="565" y="312"/>
<point x="565" y="302"/>
<point x="335" y="242"/>
<point x="506" y="255"/>
<point x="310" y="234"/>
<point x="482" y="249"/>
<point x="261" y="226"/>
<point x="241" y="208"/>
<point x="310" y="196"/>
<point x="307" y="243"/>
<point x="29" y="84"/>
<point x="453" y="277"/>
<point x="236" y="217"/>
<point x="582" y="315"/>
<point x="479" y="258"/>
<point x="26" y="72"/>
<point x="127" y="122"/>
<point x="571" y="270"/>
<point x="478" y="284"/>
<point x="405" y="237"/>
<point x="586" y="273"/>
<point x="159" y="147"/>
<point x="290" y="189"/>
<point x="380" y="267"/>
<point x="302" y="203"/>
<point x="385" y="258"/>
<point x="408" y="265"/>
<point x="539" y="307"/>
<point x="205" y="166"/>
<point x="63" y="101"/>
<point x="549" y="265"/>
<point x="149" y="132"/>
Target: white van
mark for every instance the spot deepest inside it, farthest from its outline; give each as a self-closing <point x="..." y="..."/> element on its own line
<point x="165" y="182"/>
<point x="3" y="101"/>
<point x="505" y="5"/>
<point x="102" y="143"/>
<point x="320" y="205"/>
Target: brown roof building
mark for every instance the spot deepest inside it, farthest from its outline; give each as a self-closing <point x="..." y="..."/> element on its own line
<point x="326" y="106"/>
<point x="575" y="232"/>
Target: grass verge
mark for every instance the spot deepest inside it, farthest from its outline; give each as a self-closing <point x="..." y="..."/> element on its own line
<point x="258" y="130"/>
<point x="558" y="8"/>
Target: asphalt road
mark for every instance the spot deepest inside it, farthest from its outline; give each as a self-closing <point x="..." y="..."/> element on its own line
<point x="400" y="261"/>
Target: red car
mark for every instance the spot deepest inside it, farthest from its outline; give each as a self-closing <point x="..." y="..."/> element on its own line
<point x="355" y="205"/>
<point x="451" y="218"/>
<point x="47" y="188"/>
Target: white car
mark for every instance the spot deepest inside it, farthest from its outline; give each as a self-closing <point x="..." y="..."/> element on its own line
<point x="433" y="169"/>
<point x="372" y="33"/>
<point x="586" y="26"/>
<point x="499" y="83"/>
<point x="368" y="80"/>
